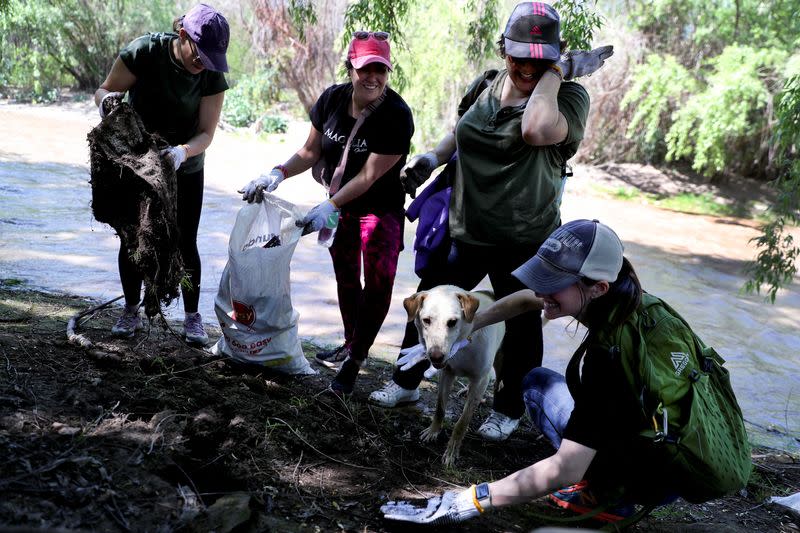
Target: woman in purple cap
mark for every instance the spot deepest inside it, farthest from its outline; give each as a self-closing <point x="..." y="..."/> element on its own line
<point x="517" y="127"/>
<point x="175" y="83"/>
<point x="644" y="414"/>
<point x="360" y="135"/>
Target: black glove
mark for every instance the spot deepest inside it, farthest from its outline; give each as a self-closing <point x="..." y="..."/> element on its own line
<point x="110" y="101"/>
<point x="577" y="63"/>
<point x="417" y="171"/>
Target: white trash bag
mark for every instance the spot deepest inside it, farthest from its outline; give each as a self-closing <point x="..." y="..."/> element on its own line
<point x="253" y="304"/>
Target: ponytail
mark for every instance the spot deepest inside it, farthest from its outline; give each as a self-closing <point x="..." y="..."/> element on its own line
<point x="623" y="297"/>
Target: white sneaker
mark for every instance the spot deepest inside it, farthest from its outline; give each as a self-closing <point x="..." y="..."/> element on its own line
<point x="393" y="394"/>
<point x="127" y="324"/>
<point x="498" y="426"/>
<point x="194" y="331"/>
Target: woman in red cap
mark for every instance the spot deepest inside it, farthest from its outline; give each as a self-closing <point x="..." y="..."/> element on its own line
<point x="175" y="83"/>
<point x="517" y="127"/>
<point x="360" y="135"/>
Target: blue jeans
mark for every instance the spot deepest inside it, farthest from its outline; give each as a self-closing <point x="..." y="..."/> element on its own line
<point x="548" y="402"/>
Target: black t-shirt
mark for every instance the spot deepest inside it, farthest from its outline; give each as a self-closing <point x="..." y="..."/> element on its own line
<point x="386" y="131"/>
<point x="608" y="418"/>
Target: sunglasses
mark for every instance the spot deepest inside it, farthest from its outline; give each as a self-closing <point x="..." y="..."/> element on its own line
<point x="196" y="61"/>
<point x="377" y="35"/>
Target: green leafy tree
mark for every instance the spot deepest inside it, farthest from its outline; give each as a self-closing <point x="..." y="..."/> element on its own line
<point x="776" y="263"/>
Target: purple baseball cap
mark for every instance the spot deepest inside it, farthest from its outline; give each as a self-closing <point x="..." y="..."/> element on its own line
<point x="209" y="30"/>
<point x="533" y="31"/>
<point x="581" y="248"/>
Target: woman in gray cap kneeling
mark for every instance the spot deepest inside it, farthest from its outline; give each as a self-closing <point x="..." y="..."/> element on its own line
<point x="644" y="414"/>
<point x="175" y="83"/>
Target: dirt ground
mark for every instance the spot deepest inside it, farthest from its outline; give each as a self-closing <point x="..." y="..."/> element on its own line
<point x="148" y="434"/>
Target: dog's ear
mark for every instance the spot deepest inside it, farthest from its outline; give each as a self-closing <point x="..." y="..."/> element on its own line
<point x="413" y="303"/>
<point x="469" y="304"/>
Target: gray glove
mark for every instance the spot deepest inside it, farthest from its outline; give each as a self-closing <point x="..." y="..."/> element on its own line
<point x="176" y="155"/>
<point x="451" y="508"/>
<point x="109" y="102"/>
<point x="252" y="192"/>
<point x="577" y="63"/>
<point x="417" y="171"/>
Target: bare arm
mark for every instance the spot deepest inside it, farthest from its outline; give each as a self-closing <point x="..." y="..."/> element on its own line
<point x="445" y="149"/>
<point x="210" y="109"/>
<point x="376" y="166"/>
<point x="306" y="156"/>
<point x="566" y="467"/>
<point x="542" y="122"/>
<point x="120" y="79"/>
<point x="508" y="307"/>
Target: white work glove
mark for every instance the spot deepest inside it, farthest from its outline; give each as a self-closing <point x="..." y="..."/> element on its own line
<point x="451" y="508"/>
<point x="110" y="101"/>
<point x="577" y="63"/>
<point x="416" y="354"/>
<point x="417" y="171"/>
<point x="253" y="191"/>
<point x="317" y="217"/>
<point x="176" y="155"/>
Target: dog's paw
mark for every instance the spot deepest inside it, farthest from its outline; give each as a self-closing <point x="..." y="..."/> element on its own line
<point x="450" y="456"/>
<point x="430" y="433"/>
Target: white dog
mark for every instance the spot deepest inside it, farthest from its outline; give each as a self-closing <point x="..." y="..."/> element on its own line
<point x="443" y="316"/>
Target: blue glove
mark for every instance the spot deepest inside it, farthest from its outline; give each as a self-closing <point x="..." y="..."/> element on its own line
<point x="316" y="219"/>
<point x="176" y="155"/>
<point x="451" y="508"/>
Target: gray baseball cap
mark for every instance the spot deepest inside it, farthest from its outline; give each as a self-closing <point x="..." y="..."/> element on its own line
<point x="209" y="30"/>
<point x="581" y="248"/>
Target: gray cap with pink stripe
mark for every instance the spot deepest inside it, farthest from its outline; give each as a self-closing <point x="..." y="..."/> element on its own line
<point x="533" y="31"/>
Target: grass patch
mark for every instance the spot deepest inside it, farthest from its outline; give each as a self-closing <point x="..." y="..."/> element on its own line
<point x="685" y="202"/>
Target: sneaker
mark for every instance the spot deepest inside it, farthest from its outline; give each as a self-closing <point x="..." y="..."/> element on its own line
<point x="345" y="380"/>
<point x="333" y="358"/>
<point x="392" y="394"/>
<point x="127" y="324"/>
<point x="580" y="499"/>
<point x="194" y="331"/>
<point x="498" y="426"/>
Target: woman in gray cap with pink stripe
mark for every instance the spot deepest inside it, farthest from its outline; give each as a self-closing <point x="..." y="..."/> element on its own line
<point x="175" y="83"/>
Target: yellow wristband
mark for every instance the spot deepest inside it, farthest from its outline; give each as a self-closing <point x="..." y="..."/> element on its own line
<point x="555" y="68"/>
<point x="333" y="203"/>
<point x="475" y="499"/>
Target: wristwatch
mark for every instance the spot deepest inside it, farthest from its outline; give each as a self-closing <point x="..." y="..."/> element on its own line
<point x="482" y="499"/>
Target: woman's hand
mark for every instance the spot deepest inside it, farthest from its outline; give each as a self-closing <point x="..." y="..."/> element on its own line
<point x="449" y="508"/>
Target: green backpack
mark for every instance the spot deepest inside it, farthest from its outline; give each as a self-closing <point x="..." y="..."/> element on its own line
<point x="691" y="418"/>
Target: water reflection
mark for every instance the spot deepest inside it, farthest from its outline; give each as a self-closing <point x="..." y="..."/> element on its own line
<point x="49" y="238"/>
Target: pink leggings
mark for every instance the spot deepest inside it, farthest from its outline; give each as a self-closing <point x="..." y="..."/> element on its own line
<point x="377" y="239"/>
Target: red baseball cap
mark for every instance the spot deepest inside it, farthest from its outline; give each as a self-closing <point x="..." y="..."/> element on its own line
<point x="369" y="50"/>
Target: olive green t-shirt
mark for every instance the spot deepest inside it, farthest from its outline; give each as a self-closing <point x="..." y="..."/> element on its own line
<point x="505" y="190"/>
<point x="166" y="95"/>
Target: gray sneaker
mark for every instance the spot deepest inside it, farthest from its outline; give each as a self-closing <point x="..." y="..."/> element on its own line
<point x="194" y="331"/>
<point x="127" y="324"/>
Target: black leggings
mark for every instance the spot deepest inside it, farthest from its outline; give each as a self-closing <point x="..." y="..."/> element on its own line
<point x="190" y="204"/>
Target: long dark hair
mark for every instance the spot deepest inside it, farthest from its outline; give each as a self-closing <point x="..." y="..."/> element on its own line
<point x="623" y="297"/>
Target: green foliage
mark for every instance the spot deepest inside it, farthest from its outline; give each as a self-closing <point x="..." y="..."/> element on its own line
<point x="250" y="98"/>
<point x="578" y="23"/>
<point x="776" y="263"/>
<point x="273" y="124"/>
<point x="706" y="129"/>
<point x="658" y="87"/>
<point x="50" y="43"/>
<point x="482" y="30"/>
<point x="380" y="15"/>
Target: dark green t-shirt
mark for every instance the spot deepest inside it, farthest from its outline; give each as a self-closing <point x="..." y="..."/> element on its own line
<point x="165" y="94"/>
<point x="505" y="190"/>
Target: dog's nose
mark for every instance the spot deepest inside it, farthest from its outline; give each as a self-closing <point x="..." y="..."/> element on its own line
<point x="437" y="357"/>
